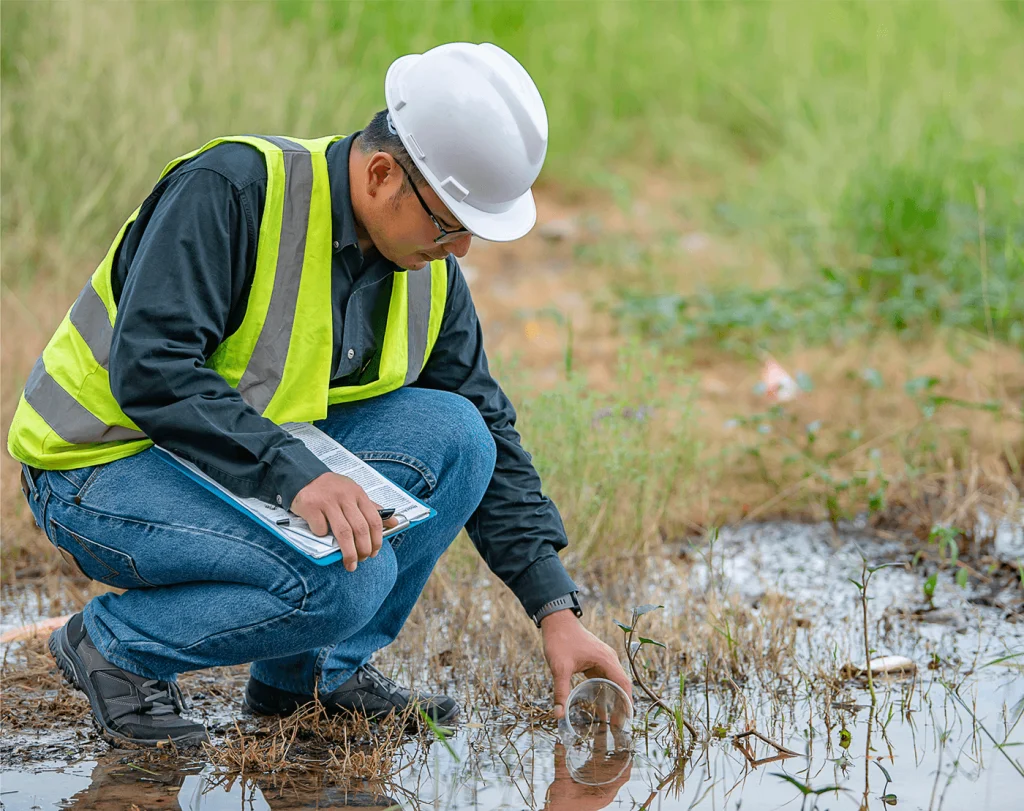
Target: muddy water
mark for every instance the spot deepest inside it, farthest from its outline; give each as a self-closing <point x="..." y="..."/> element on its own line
<point x="938" y="752"/>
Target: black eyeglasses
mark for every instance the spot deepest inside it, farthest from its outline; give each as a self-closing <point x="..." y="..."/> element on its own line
<point x="446" y="235"/>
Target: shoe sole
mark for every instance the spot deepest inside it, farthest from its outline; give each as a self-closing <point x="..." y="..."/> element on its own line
<point x="445" y="723"/>
<point x="75" y="674"/>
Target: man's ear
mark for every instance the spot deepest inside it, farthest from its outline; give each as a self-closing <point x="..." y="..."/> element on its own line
<point x="380" y="171"/>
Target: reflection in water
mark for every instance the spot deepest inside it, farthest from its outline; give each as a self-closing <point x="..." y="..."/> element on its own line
<point x="919" y="742"/>
<point x="116" y="786"/>
<point x="920" y="738"/>
<point x="213" y="791"/>
<point x="589" y="785"/>
<point x="581" y="785"/>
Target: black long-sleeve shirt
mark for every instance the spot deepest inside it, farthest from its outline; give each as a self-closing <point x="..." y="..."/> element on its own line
<point x="181" y="281"/>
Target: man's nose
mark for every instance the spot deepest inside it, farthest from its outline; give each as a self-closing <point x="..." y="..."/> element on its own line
<point x="460" y="246"/>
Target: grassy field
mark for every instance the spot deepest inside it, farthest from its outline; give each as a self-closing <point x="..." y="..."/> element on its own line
<point x="839" y="184"/>
<point x="833" y="131"/>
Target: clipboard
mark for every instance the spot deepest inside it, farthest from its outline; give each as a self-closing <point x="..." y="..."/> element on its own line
<point x="322" y="551"/>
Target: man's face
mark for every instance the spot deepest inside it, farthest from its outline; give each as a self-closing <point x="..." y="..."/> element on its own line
<point x="400" y="224"/>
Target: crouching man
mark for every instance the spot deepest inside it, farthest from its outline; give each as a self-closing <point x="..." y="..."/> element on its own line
<point x="271" y="279"/>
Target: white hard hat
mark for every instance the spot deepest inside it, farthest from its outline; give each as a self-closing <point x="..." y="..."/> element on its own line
<point x="473" y="121"/>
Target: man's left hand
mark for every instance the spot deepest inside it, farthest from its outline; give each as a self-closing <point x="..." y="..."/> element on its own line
<point x="570" y="648"/>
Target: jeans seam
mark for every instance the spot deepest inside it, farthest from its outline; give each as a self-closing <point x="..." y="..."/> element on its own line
<point x="89" y="481"/>
<point x="84" y="543"/>
<point x="110" y="650"/>
<point x="241" y="628"/>
<point x="396" y="540"/>
<point x="404" y="459"/>
<point x="318" y="665"/>
<point x="204" y="531"/>
<point x="44" y="502"/>
<point x="69" y="480"/>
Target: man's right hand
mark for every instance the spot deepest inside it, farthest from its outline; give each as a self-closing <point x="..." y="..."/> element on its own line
<point x="337" y="505"/>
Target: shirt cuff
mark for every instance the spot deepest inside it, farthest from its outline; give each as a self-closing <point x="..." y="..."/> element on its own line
<point x="292" y="467"/>
<point x="544" y="581"/>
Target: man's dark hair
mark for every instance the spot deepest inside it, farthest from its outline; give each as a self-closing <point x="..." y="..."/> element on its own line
<point x="378" y="137"/>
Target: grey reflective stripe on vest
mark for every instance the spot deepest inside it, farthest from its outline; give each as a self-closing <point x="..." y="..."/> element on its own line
<point x="69" y="419"/>
<point x="90" y="319"/>
<point x="419" y="319"/>
<point x="65" y="415"/>
<point x="263" y="373"/>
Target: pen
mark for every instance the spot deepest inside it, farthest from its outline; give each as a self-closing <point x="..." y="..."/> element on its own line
<point x="384" y="514"/>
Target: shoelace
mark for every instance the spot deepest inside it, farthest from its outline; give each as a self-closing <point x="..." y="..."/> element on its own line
<point x="381" y="680"/>
<point x="166" y="701"/>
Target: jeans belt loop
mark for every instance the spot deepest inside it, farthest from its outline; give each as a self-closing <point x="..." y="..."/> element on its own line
<point x="28" y="485"/>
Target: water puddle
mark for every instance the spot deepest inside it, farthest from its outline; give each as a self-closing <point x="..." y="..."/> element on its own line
<point x="949" y="736"/>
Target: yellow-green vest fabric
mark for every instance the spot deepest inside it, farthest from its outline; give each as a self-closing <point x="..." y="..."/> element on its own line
<point x="279" y="359"/>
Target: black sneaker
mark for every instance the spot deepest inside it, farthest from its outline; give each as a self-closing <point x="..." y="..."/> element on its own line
<point x="128" y="709"/>
<point x="369" y="692"/>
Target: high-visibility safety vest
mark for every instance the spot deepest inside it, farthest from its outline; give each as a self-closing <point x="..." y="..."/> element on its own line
<point x="279" y="359"/>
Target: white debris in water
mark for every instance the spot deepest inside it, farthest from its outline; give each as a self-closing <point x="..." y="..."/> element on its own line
<point x="882" y="665"/>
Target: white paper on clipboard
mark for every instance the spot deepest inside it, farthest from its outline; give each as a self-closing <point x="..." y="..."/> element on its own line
<point x="339" y="460"/>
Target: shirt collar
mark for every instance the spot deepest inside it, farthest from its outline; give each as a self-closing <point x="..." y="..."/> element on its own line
<point x="343" y="220"/>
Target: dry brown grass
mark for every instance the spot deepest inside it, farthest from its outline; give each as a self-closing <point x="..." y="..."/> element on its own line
<point x="33" y="693"/>
<point x="311" y="741"/>
<point x="864" y="430"/>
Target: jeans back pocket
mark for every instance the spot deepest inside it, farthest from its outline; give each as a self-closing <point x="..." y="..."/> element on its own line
<point x="95" y="560"/>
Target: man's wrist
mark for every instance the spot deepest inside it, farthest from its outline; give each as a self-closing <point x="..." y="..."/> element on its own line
<point x="291" y="468"/>
<point x="565" y="617"/>
<point x="567" y="602"/>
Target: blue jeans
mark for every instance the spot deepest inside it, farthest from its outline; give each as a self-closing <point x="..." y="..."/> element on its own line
<point x="207" y="587"/>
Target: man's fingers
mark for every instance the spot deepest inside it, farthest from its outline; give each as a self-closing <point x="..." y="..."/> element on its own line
<point x="369" y="509"/>
<point x="360" y="529"/>
<point x="606" y="664"/>
<point x="389" y="522"/>
<point x="563" y="686"/>
<point x="343" y="534"/>
<point x="318" y="524"/>
<point x="616" y="674"/>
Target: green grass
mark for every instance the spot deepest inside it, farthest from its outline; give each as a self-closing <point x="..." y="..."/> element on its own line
<point x="827" y="132"/>
<point x="617" y="464"/>
<point x="843" y="305"/>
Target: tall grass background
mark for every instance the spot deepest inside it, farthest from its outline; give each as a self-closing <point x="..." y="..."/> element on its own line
<point x="828" y="131"/>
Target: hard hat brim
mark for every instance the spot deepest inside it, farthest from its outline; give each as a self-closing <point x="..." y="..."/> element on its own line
<point x="504" y="226"/>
